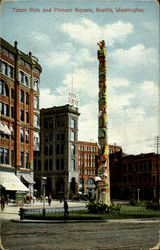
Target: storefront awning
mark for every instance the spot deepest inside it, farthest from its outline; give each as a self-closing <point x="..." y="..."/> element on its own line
<point x="28" y="179"/>
<point x="11" y="182"/>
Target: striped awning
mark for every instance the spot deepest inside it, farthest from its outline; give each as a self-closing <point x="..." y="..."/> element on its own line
<point x="11" y="182"/>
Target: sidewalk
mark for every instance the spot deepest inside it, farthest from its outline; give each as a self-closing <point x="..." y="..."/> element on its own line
<point x="11" y="210"/>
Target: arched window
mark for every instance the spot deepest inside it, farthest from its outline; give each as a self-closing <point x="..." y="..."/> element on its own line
<point x="4" y="90"/>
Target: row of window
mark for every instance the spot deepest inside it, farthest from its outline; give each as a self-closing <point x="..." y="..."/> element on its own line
<point x="88" y="157"/>
<point x="4" y="157"/>
<point x="24" y="116"/>
<point x="60" y="122"/>
<point x="140" y="167"/>
<point x="87" y="164"/>
<point x="87" y="172"/>
<point x="142" y="178"/>
<point x="23" y="97"/>
<point x="92" y="149"/>
<point x="6" y="69"/>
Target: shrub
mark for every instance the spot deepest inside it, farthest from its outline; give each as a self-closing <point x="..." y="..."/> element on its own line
<point x="133" y="202"/>
<point x="101" y="208"/>
<point x="152" y="205"/>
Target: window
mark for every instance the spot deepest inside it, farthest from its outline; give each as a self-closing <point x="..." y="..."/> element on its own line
<point x="27" y="117"/>
<point x="35" y="84"/>
<point x="62" y="164"/>
<point x="21" y="159"/>
<point x="27" y="160"/>
<point x="39" y="165"/>
<point x="62" y="149"/>
<point x="26" y="80"/>
<point x="35" y="102"/>
<point x="12" y="157"/>
<point x="57" y="149"/>
<point x="22" y="115"/>
<point x="4" y="156"/>
<point x="72" y="136"/>
<point x="50" y="164"/>
<point x="35" y="165"/>
<point x="10" y="71"/>
<point x="72" y="123"/>
<point x="21" y="135"/>
<point x="4" y="68"/>
<point x="50" y="149"/>
<point x="12" y="112"/>
<point x="21" y="95"/>
<point x="27" y="136"/>
<point x="27" y="99"/>
<point x="12" y="93"/>
<point x="72" y="149"/>
<point x="4" y="109"/>
<point x="21" y="77"/>
<point x="4" y="90"/>
<point x="57" y="164"/>
<point x="62" y="136"/>
<point x="45" y="164"/>
<point x="36" y="120"/>
<point x="73" y="164"/>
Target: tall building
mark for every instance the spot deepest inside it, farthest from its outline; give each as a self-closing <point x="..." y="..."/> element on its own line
<point x="57" y="159"/>
<point x="19" y="120"/>
<point x="87" y="157"/>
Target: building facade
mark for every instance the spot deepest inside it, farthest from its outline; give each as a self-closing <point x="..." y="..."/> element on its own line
<point x="87" y="165"/>
<point x="19" y="108"/>
<point x="57" y="159"/>
<point x="134" y="175"/>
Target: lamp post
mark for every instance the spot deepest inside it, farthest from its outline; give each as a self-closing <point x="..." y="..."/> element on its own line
<point x="138" y="190"/>
<point x="44" y="180"/>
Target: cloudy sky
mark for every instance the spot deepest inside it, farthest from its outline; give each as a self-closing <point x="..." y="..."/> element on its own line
<point x="66" y="46"/>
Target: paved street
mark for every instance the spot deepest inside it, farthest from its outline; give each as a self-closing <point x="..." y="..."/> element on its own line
<point x="98" y="235"/>
<point x="117" y="234"/>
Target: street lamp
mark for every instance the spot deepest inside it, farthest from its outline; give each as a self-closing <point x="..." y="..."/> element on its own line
<point x="138" y="190"/>
<point x="44" y="180"/>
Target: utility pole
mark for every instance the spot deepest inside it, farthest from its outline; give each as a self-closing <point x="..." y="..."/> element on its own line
<point x="157" y="167"/>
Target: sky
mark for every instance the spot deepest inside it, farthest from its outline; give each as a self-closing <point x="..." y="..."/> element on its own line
<point x="65" y="44"/>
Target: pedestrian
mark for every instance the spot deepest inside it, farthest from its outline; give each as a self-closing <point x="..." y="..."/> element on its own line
<point x="49" y="200"/>
<point x="65" y="208"/>
<point x="2" y="202"/>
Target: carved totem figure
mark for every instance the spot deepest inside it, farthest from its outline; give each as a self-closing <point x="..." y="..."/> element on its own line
<point x="102" y="179"/>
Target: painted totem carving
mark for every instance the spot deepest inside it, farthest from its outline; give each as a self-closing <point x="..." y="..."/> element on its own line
<point x="102" y="179"/>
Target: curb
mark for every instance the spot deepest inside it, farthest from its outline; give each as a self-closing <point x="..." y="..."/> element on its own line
<point x="156" y="220"/>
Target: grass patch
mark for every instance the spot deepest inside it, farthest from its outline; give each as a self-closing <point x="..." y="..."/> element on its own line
<point x="126" y="212"/>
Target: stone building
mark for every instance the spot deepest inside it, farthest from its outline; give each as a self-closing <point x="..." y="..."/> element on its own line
<point x="58" y="155"/>
<point x="87" y="155"/>
<point x="19" y="120"/>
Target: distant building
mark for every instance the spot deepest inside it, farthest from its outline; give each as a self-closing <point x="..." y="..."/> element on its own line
<point x="87" y="153"/>
<point x="130" y="174"/>
<point x="58" y="155"/>
<point x="19" y="120"/>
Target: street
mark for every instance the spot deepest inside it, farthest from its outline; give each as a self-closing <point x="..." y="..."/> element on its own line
<point x="125" y="234"/>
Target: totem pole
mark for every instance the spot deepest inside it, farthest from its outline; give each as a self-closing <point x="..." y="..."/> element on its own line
<point x="102" y="179"/>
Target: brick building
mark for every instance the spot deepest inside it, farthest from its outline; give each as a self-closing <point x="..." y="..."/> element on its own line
<point x="19" y="120"/>
<point x="130" y="174"/>
<point x="87" y="153"/>
<point x="57" y="159"/>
